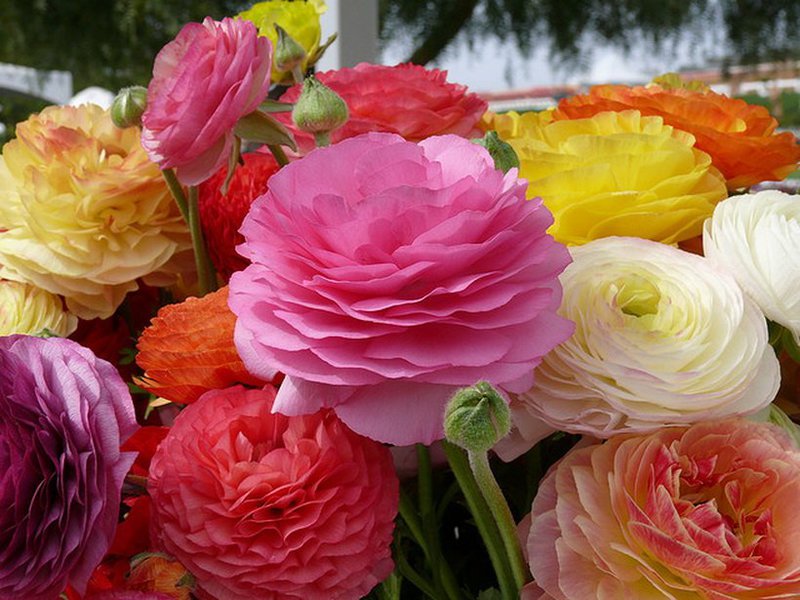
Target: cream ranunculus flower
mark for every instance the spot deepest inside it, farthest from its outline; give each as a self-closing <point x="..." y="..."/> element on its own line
<point x="30" y="310"/>
<point x="83" y="211"/>
<point x="756" y="238"/>
<point x="662" y="338"/>
<point x="616" y="173"/>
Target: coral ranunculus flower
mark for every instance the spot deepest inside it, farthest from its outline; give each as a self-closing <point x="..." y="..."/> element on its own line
<point x="222" y="215"/>
<point x="206" y="79"/>
<point x="63" y="416"/>
<point x="408" y="271"/>
<point x="188" y="349"/>
<point x="698" y="513"/>
<point x="614" y="174"/>
<point x="83" y="211"/>
<point x="258" y="505"/>
<point x="406" y="99"/>
<point x="739" y="137"/>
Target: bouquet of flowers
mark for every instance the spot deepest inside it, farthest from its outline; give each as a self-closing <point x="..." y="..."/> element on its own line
<point x="284" y="335"/>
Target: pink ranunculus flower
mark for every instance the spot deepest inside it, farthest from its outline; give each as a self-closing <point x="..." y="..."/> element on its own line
<point x="407" y="271"/>
<point x="204" y="81"/>
<point x="258" y="505"/>
<point x="706" y="512"/>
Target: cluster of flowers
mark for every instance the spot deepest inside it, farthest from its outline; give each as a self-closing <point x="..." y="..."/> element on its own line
<point x="620" y="282"/>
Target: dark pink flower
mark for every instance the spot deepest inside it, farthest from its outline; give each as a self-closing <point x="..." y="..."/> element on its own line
<point x="258" y="505"/>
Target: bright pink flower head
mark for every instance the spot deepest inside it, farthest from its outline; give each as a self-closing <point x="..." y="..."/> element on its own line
<point x="204" y="81"/>
<point x="258" y="505"/>
<point x="406" y="99"/>
<point x="706" y="513"/>
<point x="407" y="271"/>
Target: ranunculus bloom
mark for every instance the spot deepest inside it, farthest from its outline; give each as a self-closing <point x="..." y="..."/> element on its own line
<point x="740" y="137"/>
<point x="83" y="212"/>
<point x="27" y="309"/>
<point x="63" y="416"/>
<point x="614" y="174"/>
<point x="408" y="271"/>
<point x="300" y="19"/>
<point x="188" y="349"/>
<point x="707" y="512"/>
<point x="662" y="338"/>
<point x="756" y="238"/>
<point x="204" y="81"/>
<point x="222" y="215"/>
<point x="406" y="99"/>
<point x="258" y="505"/>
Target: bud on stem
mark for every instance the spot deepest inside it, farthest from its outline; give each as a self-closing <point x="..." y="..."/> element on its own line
<point x="319" y="110"/>
<point x="128" y="106"/>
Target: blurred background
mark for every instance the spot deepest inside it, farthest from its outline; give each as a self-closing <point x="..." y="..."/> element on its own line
<point x="519" y="54"/>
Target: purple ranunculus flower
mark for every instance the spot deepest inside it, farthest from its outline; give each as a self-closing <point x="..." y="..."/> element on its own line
<point x="63" y="415"/>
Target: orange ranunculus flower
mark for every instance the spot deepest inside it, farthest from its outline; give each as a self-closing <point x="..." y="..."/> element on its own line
<point x="739" y="137"/>
<point x="188" y="349"/>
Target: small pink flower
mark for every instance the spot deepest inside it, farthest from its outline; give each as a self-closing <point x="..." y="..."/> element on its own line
<point x="258" y="505"/>
<point x="706" y="512"/>
<point x="407" y="271"/>
<point x="204" y="81"/>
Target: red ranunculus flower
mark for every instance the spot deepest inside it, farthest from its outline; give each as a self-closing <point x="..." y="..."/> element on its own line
<point x="258" y="505"/>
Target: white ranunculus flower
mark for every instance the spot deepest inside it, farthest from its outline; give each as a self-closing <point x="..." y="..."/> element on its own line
<point x="30" y="310"/>
<point x="756" y="238"/>
<point x="662" y="338"/>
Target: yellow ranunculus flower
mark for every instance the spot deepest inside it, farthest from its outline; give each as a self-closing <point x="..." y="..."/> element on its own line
<point x="617" y="173"/>
<point x="300" y="19"/>
<point x="32" y="311"/>
<point x="83" y="211"/>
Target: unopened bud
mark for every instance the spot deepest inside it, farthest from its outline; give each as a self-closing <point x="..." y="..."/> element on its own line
<point x="128" y="106"/>
<point x="477" y="417"/>
<point x="501" y="152"/>
<point x="319" y="109"/>
<point x="288" y="53"/>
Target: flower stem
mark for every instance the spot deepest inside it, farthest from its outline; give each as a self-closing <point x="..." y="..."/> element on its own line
<point x="279" y="154"/>
<point x="323" y="138"/>
<point x="176" y="190"/>
<point x="297" y="74"/>
<point x="487" y="527"/>
<point x="479" y="462"/>
<point x="207" y="278"/>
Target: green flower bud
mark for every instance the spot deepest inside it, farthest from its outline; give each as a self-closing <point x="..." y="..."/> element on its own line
<point x="288" y="53"/>
<point x="502" y="153"/>
<point x="477" y="417"/>
<point x="319" y="110"/>
<point x="781" y="419"/>
<point x="128" y="106"/>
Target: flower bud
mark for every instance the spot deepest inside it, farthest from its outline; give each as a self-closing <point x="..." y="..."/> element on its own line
<point x="477" y="417"/>
<point x="777" y="417"/>
<point x="502" y="153"/>
<point x="288" y="53"/>
<point x="319" y="109"/>
<point x="128" y="106"/>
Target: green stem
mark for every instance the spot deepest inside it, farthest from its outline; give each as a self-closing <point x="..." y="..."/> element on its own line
<point x="487" y="527"/>
<point x="176" y="189"/>
<point x="323" y="138"/>
<point x="279" y="154"/>
<point x="297" y="74"/>
<point x="207" y="278"/>
<point x="479" y="462"/>
<point x="409" y="515"/>
<point x="408" y="572"/>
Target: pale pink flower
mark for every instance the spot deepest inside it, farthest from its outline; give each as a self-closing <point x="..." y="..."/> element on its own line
<point x="706" y="512"/>
<point x="204" y="81"/>
<point x="405" y="272"/>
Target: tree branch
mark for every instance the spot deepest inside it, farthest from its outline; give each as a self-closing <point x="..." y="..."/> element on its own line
<point x="450" y="22"/>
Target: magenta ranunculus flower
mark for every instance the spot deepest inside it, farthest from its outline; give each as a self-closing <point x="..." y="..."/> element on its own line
<point x="707" y="512"/>
<point x="206" y="79"/>
<point x="258" y="505"/>
<point x="385" y="274"/>
<point x="63" y="415"/>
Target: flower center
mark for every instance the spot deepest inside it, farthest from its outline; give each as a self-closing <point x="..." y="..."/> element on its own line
<point x="637" y="296"/>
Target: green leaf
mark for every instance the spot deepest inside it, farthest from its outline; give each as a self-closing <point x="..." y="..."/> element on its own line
<point x="273" y="106"/>
<point x="263" y="128"/>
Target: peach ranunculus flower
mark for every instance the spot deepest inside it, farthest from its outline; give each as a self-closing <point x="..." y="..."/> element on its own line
<point x="24" y="308"/>
<point x="83" y="211"/>
<point x="699" y="513"/>
<point x="188" y="350"/>
<point x="740" y="137"/>
<point x="613" y="174"/>
<point x="662" y="337"/>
